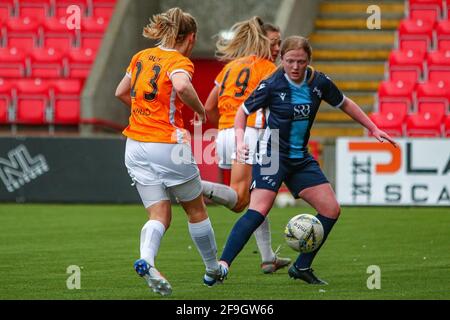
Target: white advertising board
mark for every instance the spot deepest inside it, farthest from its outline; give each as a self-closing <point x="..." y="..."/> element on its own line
<point x="372" y="173"/>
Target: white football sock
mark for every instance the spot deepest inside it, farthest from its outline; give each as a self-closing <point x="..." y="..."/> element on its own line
<point x="264" y="241"/>
<point x="151" y="235"/>
<point x="220" y="194"/>
<point x="202" y="234"/>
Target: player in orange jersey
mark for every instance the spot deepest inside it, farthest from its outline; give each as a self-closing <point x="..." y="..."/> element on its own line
<point x="156" y="86"/>
<point x="251" y="54"/>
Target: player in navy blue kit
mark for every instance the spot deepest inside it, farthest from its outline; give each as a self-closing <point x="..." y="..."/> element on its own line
<point x="291" y="98"/>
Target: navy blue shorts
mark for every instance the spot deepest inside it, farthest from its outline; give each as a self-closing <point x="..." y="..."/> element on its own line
<point x="297" y="174"/>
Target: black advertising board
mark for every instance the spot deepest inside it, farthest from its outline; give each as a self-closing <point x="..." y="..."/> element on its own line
<point x="84" y="170"/>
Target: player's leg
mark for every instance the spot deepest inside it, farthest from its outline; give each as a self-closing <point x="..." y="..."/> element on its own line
<point x="157" y="203"/>
<point x="218" y="192"/>
<point x="200" y="228"/>
<point x="311" y="185"/>
<point x="261" y="202"/>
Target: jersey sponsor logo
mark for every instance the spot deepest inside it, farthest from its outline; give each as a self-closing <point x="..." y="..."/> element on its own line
<point x="20" y="168"/>
<point x="302" y="111"/>
<point x="282" y="95"/>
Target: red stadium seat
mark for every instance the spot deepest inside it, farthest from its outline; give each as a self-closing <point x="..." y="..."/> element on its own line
<point x="46" y="63"/>
<point x="5" y="14"/>
<point x="426" y="14"/>
<point x="6" y="87"/>
<point x="21" y="42"/>
<point x="427" y="122"/>
<point x="33" y="87"/>
<point x="7" y="7"/>
<point x="105" y="12"/>
<point x="23" y="24"/>
<point x="82" y="55"/>
<point x="434" y="91"/>
<point x="4" y="106"/>
<point x="60" y="42"/>
<point x="406" y="65"/>
<point x="67" y="87"/>
<point x="91" y="42"/>
<point x="94" y="25"/>
<point x="55" y="25"/>
<point x="443" y="35"/>
<point x="31" y="111"/>
<point x="395" y="91"/>
<point x="67" y="111"/>
<point x="415" y="34"/>
<point x="12" y="63"/>
<point x="438" y="65"/>
<point x="391" y="117"/>
<point x="80" y="62"/>
<point x="36" y="13"/>
<point x="426" y="4"/>
<point x="447" y="126"/>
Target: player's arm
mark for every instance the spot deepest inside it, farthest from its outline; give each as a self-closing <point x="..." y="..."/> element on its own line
<point x="183" y="86"/>
<point x="123" y="90"/>
<point x="211" y="106"/>
<point x="357" y="114"/>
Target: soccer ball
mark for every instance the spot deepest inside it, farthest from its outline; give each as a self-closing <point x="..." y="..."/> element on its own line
<point x="304" y="233"/>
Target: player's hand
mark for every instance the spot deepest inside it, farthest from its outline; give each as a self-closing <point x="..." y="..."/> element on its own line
<point x="242" y="152"/>
<point x="382" y="136"/>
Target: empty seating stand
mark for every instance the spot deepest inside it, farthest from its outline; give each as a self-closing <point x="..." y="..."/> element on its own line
<point x="43" y="63"/>
<point x="414" y="98"/>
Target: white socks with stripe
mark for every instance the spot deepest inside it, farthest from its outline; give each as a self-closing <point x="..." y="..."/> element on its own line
<point x="264" y="241"/>
<point x="151" y="235"/>
<point x="202" y="234"/>
<point x="220" y="194"/>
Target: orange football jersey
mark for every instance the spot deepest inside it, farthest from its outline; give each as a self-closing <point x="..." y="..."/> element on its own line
<point x="156" y="108"/>
<point x="236" y="82"/>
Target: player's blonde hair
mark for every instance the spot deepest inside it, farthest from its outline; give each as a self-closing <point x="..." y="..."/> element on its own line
<point x="170" y="27"/>
<point x="294" y="43"/>
<point x="248" y="39"/>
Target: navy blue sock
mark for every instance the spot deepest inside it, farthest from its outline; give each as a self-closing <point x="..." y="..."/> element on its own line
<point x="305" y="260"/>
<point x="239" y="235"/>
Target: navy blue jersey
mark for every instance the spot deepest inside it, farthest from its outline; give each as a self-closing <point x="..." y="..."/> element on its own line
<point x="291" y="108"/>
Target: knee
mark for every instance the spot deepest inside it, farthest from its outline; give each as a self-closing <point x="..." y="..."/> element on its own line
<point x="334" y="210"/>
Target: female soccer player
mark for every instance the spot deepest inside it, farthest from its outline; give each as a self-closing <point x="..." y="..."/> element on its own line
<point x="156" y="84"/>
<point x="291" y="96"/>
<point x="252" y="50"/>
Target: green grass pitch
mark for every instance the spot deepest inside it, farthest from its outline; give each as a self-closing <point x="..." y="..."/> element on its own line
<point x="38" y="242"/>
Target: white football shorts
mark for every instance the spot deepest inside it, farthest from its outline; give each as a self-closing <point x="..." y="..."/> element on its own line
<point x="226" y="146"/>
<point x="162" y="171"/>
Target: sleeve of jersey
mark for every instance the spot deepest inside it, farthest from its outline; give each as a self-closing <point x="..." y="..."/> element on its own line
<point x="184" y="66"/>
<point x="332" y="94"/>
<point x="258" y="99"/>
<point x="219" y="79"/>
<point x="132" y="65"/>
